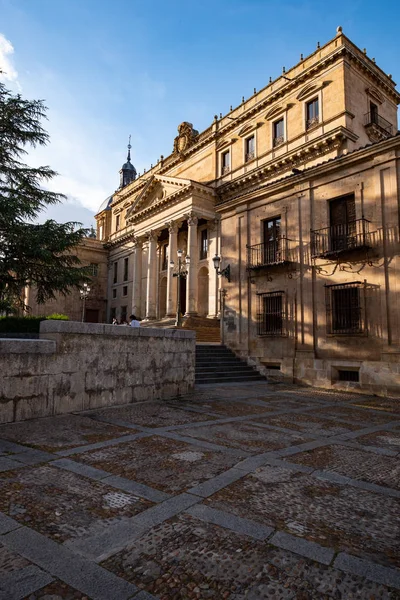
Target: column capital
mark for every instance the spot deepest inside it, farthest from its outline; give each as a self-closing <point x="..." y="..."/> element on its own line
<point x="172" y="226"/>
<point x="136" y="243"/>
<point x="212" y="224"/>
<point x="192" y="218"/>
<point x="152" y="235"/>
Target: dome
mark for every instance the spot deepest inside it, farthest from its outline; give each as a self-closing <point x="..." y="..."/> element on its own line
<point x="128" y="166"/>
<point x="105" y="205"/>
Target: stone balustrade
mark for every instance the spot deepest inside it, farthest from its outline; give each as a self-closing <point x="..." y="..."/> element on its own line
<point x="79" y="366"/>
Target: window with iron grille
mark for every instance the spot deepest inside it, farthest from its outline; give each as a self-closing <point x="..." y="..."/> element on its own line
<point x="203" y="244"/>
<point x="250" y="147"/>
<point x="117" y="222"/>
<point x="125" y="290"/>
<point x="312" y="113"/>
<point x="271" y="314"/>
<point x="278" y="133"/>
<point x="93" y="269"/>
<point x="345" y="308"/>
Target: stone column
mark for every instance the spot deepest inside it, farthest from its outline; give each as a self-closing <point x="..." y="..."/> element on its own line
<point x="171" y="283"/>
<point x="137" y="279"/>
<point x="192" y="251"/>
<point x="212" y="227"/>
<point x="151" y="291"/>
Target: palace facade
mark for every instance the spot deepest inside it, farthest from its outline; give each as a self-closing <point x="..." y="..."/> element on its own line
<point x="297" y="191"/>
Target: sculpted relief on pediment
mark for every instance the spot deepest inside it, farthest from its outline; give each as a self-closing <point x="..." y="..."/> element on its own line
<point x="156" y="191"/>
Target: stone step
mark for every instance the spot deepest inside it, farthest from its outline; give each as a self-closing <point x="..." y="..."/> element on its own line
<point x="233" y="378"/>
<point x="218" y="364"/>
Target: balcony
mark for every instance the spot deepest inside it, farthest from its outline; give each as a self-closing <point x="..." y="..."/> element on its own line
<point x="377" y="127"/>
<point x="338" y="239"/>
<point x="268" y="254"/>
<point x="226" y="169"/>
<point x="310" y="123"/>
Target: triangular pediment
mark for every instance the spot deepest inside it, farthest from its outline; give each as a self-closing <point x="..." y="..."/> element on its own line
<point x="157" y="189"/>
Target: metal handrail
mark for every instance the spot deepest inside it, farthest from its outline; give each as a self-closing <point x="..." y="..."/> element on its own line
<point x="372" y="118"/>
<point x="268" y="253"/>
<point x="340" y="238"/>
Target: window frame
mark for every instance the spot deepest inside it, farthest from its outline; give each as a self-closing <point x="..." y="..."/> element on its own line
<point x="270" y="329"/>
<point x="203" y="254"/>
<point x="225" y="169"/>
<point x="312" y="122"/>
<point x="277" y="141"/>
<point x="126" y="268"/>
<point x="249" y="156"/>
<point x="115" y="267"/>
<point x="345" y="314"/>
<point x="117" y="222"/>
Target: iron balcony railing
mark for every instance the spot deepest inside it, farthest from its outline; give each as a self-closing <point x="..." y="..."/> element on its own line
<point x="310" y="123"/>
<point x="277" y="141"/>
<point x="372" y="118"/>
<point x="249" y="156"/>
<point x="340" y="238"/>
<point x="268" y="253"/>
<point x="226" y="169"/>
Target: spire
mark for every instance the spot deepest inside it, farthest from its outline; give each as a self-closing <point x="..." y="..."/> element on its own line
<point x="129" y="149"/>
<point x="128" y="171"/>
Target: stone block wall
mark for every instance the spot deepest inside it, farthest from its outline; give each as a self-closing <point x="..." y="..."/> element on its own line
<point x="79" y="366"/>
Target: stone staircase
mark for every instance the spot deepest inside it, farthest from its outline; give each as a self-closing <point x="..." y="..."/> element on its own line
<point x="207" y="330"/>
<point x="218" y="364"/>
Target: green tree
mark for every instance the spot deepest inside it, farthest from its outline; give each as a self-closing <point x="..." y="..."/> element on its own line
<point x="31" y="253"/>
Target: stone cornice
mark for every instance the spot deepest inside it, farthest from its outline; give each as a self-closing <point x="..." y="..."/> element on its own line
<point x="329" y="166"/>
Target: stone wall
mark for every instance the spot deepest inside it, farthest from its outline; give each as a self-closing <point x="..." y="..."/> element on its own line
<point x="78" y="366"/>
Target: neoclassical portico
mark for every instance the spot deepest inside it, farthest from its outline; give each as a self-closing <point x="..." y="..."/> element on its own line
<point x="173" y="214"/>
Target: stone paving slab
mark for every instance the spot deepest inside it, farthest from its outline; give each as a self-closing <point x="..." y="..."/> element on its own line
<point x="19" y="584"/>
<point x="61" y="504"/>
<point x="146" y="414"/>
<point x="246" y="436"/>
<point x="354" y="463"/>
<point x="164" y="464"/>
<point x="76" y="571"/>
<point x="186" y="557"/>
<point x="331" y="514"/>
<point x="60" y="432"/>
<point x="206" y="497"/>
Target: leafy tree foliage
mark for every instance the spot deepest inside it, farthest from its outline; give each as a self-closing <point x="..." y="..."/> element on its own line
<point x="30" y="253"/>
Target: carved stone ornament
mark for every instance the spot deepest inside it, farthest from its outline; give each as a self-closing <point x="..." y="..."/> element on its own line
<point x="185" y="138"/>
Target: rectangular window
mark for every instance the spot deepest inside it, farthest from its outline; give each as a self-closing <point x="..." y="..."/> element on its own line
<point x="271" y="314"/>
<point x="278" y="133"/>
<point x="101" y="232"/>
<point x="124" y="313"/>
<point x="250" y="148"/>
<point x="203" y="244"/>
<point x="125" y="290"/>
<point x="345" y="308"/>
<point x="374" y="113"/>
<point x="93" y="269"/>
<point x="113" y="314"/>
<point x="225" y="162"/>
<point x="115" y="272"/>
<point x="117" y="222"/>
<point x="312" y="113"/>
<point x="343" y="233"/>
<point x="126" y="267"/>
<point x="272" y="236"/>
<point x="164" y="258"/>
<point x="114" y="293"/>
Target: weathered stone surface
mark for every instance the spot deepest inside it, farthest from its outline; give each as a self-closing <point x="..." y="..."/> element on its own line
<point x="90" y="365"/>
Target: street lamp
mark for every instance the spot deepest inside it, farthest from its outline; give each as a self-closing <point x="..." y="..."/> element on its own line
<point x="84" y="293"/>
<point x="181" y="272"/>
<point x="225" y="272"/>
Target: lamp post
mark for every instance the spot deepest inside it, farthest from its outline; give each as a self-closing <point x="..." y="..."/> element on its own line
<point x="181" y="272"/>
<point x="84" y="293"/>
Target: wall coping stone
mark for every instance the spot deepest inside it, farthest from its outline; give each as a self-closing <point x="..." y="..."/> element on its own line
<point x="21" y="346"/>
<point x="76" y="327"/>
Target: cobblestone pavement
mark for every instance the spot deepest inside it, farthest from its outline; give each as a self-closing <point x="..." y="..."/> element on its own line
<point x="236" y="492"/>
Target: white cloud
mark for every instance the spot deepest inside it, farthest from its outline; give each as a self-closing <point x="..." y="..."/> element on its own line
<point x="9" y="72"/>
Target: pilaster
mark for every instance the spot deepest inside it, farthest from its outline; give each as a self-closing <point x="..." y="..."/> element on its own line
<point x="191" y="290"/>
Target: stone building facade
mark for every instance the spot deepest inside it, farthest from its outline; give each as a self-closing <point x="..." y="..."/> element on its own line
<point x="297" y="190"/>
<point x="92" y="254"/>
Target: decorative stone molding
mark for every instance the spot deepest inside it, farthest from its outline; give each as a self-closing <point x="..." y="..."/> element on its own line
<point x="186" y="137"/>
<point x="192" y="218"/>
<point x="375" y="94"/>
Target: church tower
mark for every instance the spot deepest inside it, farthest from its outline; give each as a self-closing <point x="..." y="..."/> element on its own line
<point x="127" y="173"/>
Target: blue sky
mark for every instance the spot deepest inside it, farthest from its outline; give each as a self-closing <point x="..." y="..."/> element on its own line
<point x="110" y="68"/>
